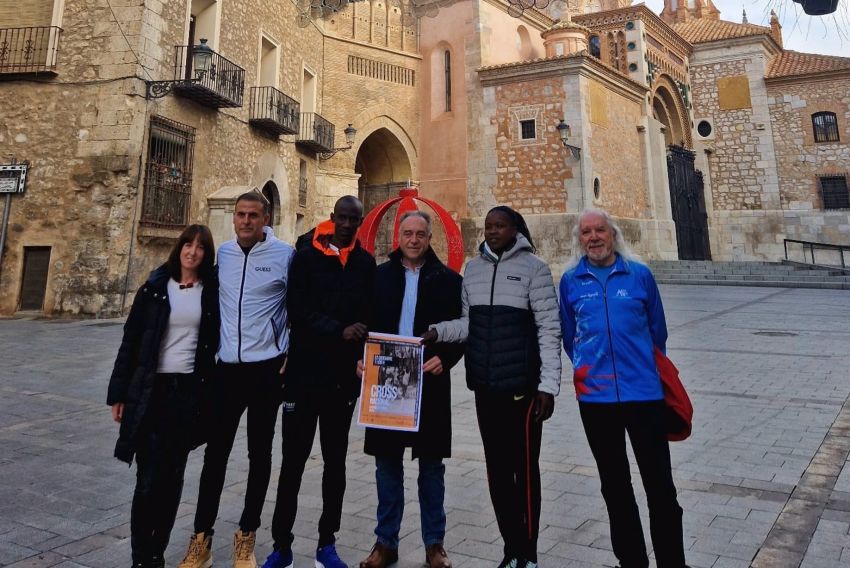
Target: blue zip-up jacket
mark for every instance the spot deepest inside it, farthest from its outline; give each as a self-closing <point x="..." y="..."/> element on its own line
<point x="610" y="331"/>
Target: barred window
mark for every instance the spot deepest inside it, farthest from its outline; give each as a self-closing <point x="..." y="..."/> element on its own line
<point x="168" y="174"/>
<point x="834" y="194"/>
<point x="528" y="129"/>
<point x="825" y="126"/>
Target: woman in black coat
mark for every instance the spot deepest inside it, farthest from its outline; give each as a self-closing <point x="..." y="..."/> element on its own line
<point x="437" y="297"/>
<point x="168" y="350"/>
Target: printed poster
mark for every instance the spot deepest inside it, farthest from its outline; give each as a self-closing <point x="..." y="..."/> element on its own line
<point x="391" y="391"/>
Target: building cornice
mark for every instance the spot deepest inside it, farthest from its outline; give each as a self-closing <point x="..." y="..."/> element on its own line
<point x="765" y="41"/>
<point x="368" y="45"/>
<point x="816" y="77"/>
<point x="639" y="12"/>
<point x="535" y="18"/>
<point x="576" y="64"/>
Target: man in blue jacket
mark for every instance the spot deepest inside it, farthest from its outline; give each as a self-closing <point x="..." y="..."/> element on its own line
<point x="253" y="273"/>
<point x="612" y="322"/>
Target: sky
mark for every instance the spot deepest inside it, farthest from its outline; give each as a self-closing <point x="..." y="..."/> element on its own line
<point x="828" y="35"/>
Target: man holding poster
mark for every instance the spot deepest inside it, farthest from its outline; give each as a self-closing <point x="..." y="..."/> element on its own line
<point x="413" y="290"/>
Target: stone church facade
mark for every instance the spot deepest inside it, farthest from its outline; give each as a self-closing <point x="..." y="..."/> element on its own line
<point x="704" y="137"/>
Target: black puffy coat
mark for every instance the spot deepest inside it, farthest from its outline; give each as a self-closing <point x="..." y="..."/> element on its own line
<point x="438" y="299"/>
<point x="324" y="297"/>
<point x="134" y="373"/>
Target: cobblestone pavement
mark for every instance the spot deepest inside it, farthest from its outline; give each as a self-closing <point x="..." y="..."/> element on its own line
<point x="764" y="479"/>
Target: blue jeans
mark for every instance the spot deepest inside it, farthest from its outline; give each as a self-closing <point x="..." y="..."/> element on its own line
<point x="389" y="475"/>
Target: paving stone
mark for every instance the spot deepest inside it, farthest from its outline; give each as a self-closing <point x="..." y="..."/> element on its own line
<point x="764" y="451"/>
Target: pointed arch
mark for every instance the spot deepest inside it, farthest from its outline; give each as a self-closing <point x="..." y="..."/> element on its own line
<point x="669" y="108"/>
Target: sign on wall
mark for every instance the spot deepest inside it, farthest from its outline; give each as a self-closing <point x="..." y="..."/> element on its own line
<point x="13" y="178"/>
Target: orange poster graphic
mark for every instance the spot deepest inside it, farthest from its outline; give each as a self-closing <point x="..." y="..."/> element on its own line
<point x="391" y="391"/>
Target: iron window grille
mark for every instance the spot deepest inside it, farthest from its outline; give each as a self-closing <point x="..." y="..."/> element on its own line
<point x="168" y="174"/>
<point x="834" y="193"/>
<point x="528" y="129"/>
<point x="302" y="192"/>
<point x="825" y="126"/>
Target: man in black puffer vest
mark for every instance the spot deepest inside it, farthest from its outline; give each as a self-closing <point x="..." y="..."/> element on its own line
<point x="330" y="287"/>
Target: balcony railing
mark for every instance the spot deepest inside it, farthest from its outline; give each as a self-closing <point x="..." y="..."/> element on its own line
<point x="29" y="50"/>
<point x="316" y="133"/>
<point x="221" y="85"/>
<point x="273" y="111"/>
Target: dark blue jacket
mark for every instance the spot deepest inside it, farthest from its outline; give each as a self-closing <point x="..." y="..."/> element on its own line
<point x="610" y="331"/>
<point x="437" y="299"/>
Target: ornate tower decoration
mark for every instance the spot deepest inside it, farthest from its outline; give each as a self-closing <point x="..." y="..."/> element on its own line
<point x="406" y="200"/>
<point x="683" y="10"/>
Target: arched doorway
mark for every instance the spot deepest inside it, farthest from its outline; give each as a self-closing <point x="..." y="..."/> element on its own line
<point x="273" y="198"/>
<point x="687" y="201"/>
<point x="384" y="168"/>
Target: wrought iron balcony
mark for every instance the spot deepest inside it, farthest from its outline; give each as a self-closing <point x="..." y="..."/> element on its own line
<point x="316" y="133"/>
<point x="273" y="111"/>
<point x="29" y="50"/>
<point x="212" y="80"/>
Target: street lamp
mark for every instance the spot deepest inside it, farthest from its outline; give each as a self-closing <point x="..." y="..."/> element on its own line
<point x="564" y="132"/>
<point x="202" y="65"/>
<point x="350" y="132"/>
<point x="201" y="59"/>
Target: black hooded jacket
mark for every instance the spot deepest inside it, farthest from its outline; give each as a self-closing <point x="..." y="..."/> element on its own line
<point x="325" y="297"/>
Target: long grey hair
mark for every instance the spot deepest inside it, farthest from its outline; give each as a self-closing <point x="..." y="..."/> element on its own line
<point x="620" y="245"/>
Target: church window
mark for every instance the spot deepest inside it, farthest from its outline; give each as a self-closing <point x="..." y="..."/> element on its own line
<point x="447" y="57"/>
<point x="825" y="126"/>
<point x="168" y="174"/>
<point x="595" y="46"/>
<point x="834" y="194"/>
<point x="528" y="129"/>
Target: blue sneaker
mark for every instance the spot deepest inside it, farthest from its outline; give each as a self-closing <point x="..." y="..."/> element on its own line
<point x="278" y="559"/>
<point x="326" y="557"/>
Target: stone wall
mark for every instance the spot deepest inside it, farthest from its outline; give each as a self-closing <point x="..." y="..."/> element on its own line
<point x="614" y="145"/>
<point x="77" y="133"/>
<point x="734" y="163"/>
<point x="800" y="159"/>
<point x="531" y="173"/>
<point x="85" y="134"/>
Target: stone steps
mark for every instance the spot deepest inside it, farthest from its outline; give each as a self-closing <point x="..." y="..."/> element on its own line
<point x="751" y="273"/>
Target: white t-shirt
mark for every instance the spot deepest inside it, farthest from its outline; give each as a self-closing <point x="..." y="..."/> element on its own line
<point x="180" y="340"/>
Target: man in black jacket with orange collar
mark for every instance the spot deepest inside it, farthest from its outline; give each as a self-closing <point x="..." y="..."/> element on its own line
<point x="413" y="290"/>
<point x="330" y="288"/>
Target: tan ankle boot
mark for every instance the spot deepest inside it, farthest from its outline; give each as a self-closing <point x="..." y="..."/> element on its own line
<point x="243" y="549"/>
<point x="199" y="554"/>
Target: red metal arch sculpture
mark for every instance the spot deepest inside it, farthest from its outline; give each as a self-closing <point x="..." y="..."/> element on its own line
<point x="406" y="200"/>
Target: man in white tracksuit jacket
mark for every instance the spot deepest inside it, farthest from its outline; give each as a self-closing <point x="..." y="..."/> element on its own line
<point x="253" y="272"/>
